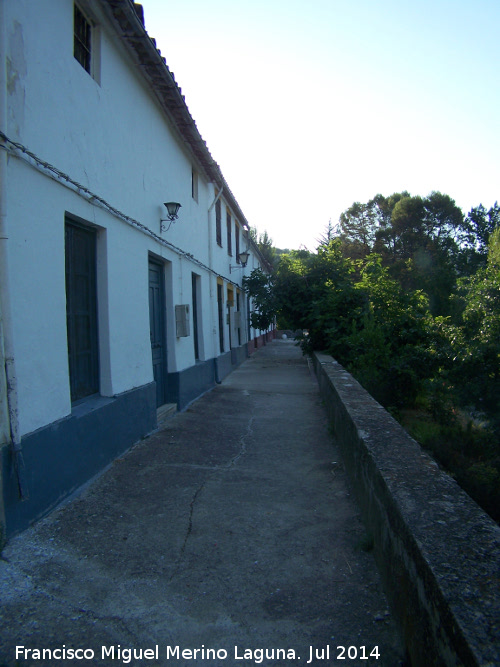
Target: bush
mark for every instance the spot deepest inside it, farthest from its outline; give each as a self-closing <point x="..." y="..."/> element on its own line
<point x="386" y="336"/>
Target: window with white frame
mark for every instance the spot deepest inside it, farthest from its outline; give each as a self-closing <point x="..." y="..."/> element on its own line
<point x="86" y="43"/>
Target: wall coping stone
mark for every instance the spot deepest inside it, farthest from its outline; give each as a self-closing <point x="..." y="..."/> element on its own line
<point x="437" y="551"/>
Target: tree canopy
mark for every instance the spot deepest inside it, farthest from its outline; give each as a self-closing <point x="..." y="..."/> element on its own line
<point x="404" y="289"/>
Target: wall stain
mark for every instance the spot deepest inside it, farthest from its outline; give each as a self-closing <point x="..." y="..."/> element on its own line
<point x="16" y="73"/>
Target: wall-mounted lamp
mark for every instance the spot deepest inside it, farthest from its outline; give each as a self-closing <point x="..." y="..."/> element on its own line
<point x="172" y="210"/>
<point x="243" y="257"/>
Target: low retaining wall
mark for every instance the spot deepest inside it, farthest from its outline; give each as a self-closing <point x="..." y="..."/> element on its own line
<point x="438" y="553"/>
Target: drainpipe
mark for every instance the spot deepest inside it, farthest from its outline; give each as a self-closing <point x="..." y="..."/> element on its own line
<point x="5" y="307"/>
<point x="215" y="202"/>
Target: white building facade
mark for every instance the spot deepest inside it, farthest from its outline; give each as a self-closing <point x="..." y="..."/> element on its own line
<point x="107" y="312"/>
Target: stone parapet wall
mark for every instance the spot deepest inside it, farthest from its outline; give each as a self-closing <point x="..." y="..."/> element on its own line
<point x="438" y="553"/>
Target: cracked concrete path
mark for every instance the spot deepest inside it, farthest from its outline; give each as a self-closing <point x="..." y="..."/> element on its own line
<point x="233" y="526"/>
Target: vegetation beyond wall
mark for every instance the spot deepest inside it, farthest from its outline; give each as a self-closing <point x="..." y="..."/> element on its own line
<point x="405" y="293"/>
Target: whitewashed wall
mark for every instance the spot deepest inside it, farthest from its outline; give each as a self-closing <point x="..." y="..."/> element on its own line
<point x="111" y="137"/>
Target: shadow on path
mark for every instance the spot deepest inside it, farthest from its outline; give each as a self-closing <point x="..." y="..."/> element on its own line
<point x="231" y="527"/>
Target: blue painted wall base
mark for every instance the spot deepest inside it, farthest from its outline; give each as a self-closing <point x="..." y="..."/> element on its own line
<point x="185" y="386"/>
<point x="64" y="455"/>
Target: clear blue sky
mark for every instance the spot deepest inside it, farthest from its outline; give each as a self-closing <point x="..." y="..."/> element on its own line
<point x="310" y="105"/>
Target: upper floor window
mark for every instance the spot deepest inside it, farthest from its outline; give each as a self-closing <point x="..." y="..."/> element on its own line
<point x="82" y="42"/>
<point x="229" y="241"/>
<point x="218" y="223"/>
<point x="237" y="241"/>
<point x="194" y="184"/>
<point x="86" y="43"/>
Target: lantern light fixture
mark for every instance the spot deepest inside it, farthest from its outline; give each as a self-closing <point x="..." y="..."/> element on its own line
<point x="172" y="211"/>
<point x="243" y="257"/>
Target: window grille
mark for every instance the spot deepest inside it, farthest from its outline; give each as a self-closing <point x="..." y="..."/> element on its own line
<point x="82" y="39"/>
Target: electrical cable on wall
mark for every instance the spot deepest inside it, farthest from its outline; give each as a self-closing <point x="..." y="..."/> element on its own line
<point x="94" y="199"/>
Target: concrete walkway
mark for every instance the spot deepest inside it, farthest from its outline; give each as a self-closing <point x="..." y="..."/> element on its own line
<point x="231" y="527"/>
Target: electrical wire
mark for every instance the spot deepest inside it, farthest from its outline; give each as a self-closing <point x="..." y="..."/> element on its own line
<point x="18" y="150"/>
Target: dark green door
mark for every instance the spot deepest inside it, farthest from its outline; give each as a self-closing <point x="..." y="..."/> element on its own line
<point x="157" y="329"/>
<point x="81" y="310"/>
<point x="194" y="285"/>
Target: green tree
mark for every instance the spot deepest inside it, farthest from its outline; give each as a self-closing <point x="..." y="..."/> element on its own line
<point x="480" y="225"/>
<point x="361" y="315"/>
<point x="475" y="340"/>
<point x="328" y="235"/>
<point x="303" y="281"/>
<point x="494" y="249"/>
<point x="363" y="223"/>
<point x="390" y="347"/>
<point x="265" y="246"/>
<point x="369" y="315"/>
<point x="358" y="227"/>
<point x="259" y="285"/>
<point x="444" y="221"/>
<point x="419" y="239"/>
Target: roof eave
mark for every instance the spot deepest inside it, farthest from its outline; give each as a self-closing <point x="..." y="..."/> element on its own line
<point x="127" y="20"/>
